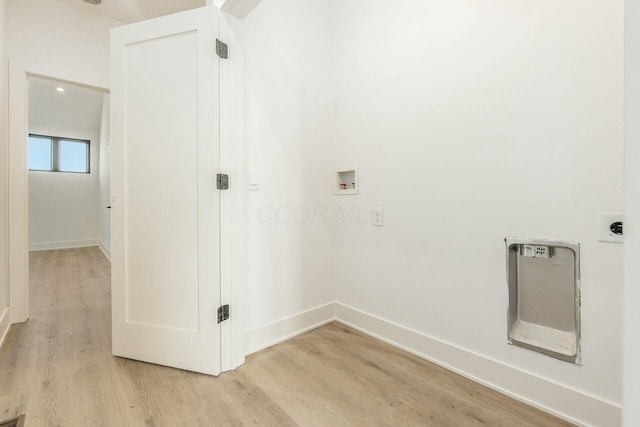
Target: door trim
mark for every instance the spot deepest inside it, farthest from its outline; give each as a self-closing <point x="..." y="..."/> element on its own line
<point x="18" y="183"/>
<point x="232" y="201"/>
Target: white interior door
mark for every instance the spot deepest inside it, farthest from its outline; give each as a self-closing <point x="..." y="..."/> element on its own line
<point x="165" y="205"/>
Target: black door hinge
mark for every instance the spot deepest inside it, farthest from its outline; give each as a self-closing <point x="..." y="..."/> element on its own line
<point x="223" y="313"/>
<point x="222" y="49"/>
<point x="222" y="181"/>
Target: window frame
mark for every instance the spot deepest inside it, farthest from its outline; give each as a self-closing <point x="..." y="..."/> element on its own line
<point x="55" y="153"/>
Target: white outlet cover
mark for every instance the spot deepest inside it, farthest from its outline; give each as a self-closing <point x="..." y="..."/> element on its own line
<point x="604" y="232"/>
<point x="378" y="217"/>
<point x="254" y="181"/>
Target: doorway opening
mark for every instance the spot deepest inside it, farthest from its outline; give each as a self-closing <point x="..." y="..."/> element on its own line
<point x="68" y="162"/>
<point x="69" y="166"/>
<point x="221" y="120"/>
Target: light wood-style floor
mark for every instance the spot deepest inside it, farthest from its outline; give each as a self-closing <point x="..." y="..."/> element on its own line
<point x="58" y="369"/>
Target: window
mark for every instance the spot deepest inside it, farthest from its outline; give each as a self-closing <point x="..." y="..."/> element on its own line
<point x="53" y="154"/>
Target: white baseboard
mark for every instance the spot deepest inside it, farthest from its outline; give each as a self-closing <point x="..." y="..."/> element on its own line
<point x="571" y="405"/>
<point x="62" y="245"/>
<point x="281" y="330"/>
<point x="105" y="250"/>
<point x="5" y="323"/>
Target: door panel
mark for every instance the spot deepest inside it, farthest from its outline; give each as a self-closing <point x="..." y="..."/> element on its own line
<point x="165" y="253"/>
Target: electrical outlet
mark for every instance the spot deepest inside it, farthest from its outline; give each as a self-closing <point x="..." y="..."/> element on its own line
<point x="610" y="227"/>
<point x="535" y="251"/>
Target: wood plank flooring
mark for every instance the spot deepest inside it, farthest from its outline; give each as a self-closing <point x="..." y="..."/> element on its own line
<point x="58" y="369"/>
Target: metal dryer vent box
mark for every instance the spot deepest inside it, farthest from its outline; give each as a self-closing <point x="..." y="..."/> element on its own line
<point x="543" y="279"/>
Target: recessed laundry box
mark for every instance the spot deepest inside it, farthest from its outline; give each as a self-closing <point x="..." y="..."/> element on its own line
<point x="544" y="297"/>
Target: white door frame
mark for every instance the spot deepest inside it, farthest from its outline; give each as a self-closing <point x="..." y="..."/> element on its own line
<point x="18" y="195"/>
<point x="19" y="184"/>
<point x="232" y="202"/>
<point x="232" y="161"/>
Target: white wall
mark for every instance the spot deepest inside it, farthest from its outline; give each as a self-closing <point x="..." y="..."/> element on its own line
<point x="631" y="409"/>
<point x="63" y="207"/>
<point x="471" y="123"/>
<point x="287" y="53"/>
<point x="104" y="196"/>
<point x="4" y="285"/>
<point x="468" y="124"/>
<point x="59" y="40"/>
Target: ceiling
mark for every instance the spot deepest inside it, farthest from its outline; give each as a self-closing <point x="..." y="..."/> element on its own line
<point x="76" y="107"/>
<point x="136" y="10"/>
